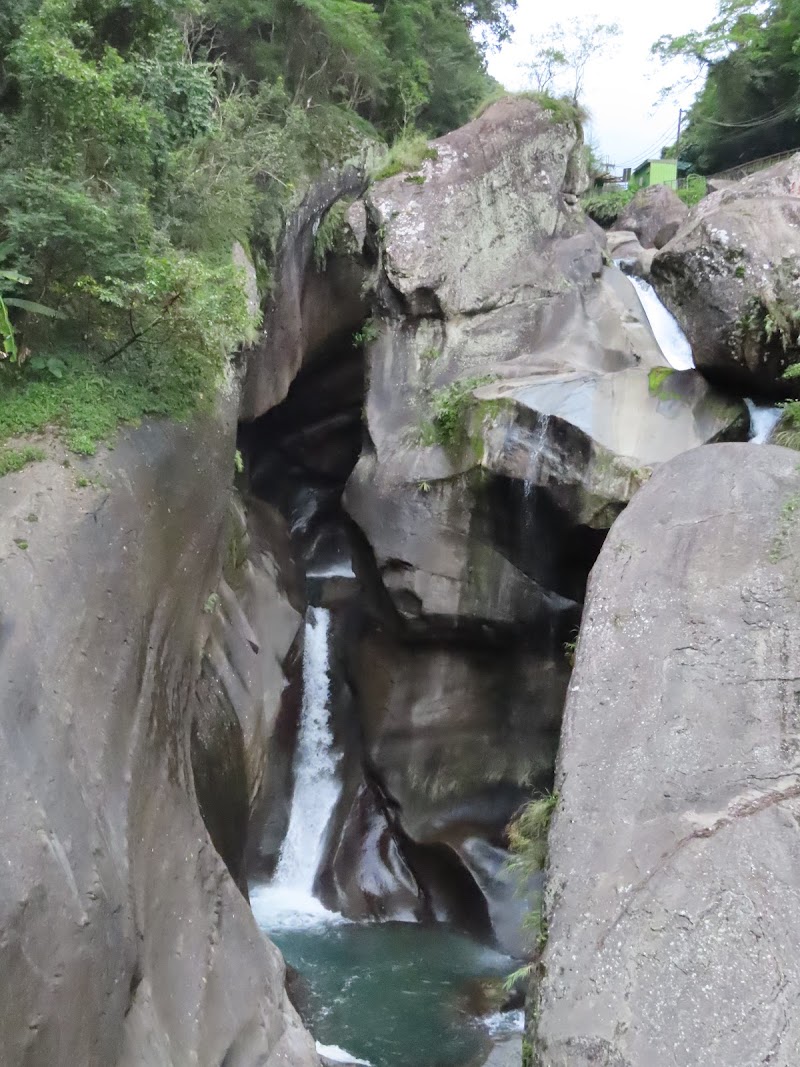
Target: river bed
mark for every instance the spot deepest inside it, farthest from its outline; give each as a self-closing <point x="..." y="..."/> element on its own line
<point x="392" y="994"/>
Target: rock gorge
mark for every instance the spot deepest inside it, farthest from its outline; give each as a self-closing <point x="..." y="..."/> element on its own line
<point x="438" y="427"/>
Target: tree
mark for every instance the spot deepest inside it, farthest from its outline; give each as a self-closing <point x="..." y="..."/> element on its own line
<point x="562" y="56"/>
<point x="749" y="105"/>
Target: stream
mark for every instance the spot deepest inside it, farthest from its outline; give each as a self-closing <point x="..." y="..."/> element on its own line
<point x="391" y="994"/>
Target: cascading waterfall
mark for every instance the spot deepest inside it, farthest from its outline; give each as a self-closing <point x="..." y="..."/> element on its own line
<point x="678" y="353"/>
<point x="289" y="900"/>
<point x="763" y="420"/>
<point x="535" y="455"/>
<point x="670" y="337"/>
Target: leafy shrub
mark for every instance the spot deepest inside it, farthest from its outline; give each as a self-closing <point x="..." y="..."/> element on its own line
<point x="527" y="835"/>
<point x="605" y="207"/>
<point x="449" y="407"/>
<point x="695" y="189"/>
<point x="408" y="152"/>
<point x="331" y="235"/>
<point x="788" y="432"/>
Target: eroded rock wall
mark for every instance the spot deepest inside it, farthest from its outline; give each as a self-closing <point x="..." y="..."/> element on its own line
<point x="123" y="939"/>
<point x="674" y="877"/>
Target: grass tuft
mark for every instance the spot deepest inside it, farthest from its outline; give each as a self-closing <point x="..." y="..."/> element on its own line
<point x="14" y="459"/>
<point x="408" y="152"/>
<point x="87" y="404"/>
<point x="560" y="108"/>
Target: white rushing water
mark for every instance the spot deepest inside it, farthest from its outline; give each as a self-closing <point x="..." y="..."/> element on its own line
<point x="763" y="420"/>
<point x="535" y="455"/>
<point x="671" y="338"/>
<point x="288" y="901"/>
<point x="505" y="1022"/>
<point x="338" y="1055"/>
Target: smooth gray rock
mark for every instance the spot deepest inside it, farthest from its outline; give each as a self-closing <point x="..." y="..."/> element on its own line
<point x="650" y="212"/>
<point x="488" y="277"/>
<point x="674" y="879"/>
<point x="123" y="939"/>
<point x="506" y="1052"/>
<point x="731" y="278"/>
<point x="307" y="306"/>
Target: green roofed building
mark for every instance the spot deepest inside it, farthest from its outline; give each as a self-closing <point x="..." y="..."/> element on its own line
<point x="659" y="172"/>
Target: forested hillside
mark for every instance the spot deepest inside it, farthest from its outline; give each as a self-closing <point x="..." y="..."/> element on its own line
<point x="749" y="106"/>
<point x="139" y="138"/>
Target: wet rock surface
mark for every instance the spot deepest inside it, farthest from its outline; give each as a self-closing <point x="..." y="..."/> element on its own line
<point x="124" y="939"/>
<point x="674" y="853"/>
<point x="730" y="276"/>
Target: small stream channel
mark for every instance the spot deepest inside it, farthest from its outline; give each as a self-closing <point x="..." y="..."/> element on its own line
<point x="391" y="994"/>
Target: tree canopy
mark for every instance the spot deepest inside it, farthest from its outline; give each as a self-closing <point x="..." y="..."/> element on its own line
<point x="749" y="105"/>
<point x="138" y="138"/>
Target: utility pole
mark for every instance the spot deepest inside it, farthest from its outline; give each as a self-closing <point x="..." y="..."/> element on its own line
<point x="678" y="142"/>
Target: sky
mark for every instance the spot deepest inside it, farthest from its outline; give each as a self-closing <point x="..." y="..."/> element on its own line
<point x="628" y="123"/>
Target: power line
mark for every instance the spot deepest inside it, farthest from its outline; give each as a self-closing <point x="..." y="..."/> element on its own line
<point x="763" y="120"/>
<point x="651" y="148"/>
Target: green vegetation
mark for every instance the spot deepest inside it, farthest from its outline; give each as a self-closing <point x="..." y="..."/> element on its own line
<point x="87" y="403"/>
<point x="409" y="152"/>
<point x="749" y="106"/>
<point x="695" y="189"/>
<point x="331" y="235"/>
<point x="94" y="481"/>
<point x="657" y="378"/>
<point x="606" y="207"/>
<point x="139" y="138"/>
<point x="368" y="333"/>
<point x="14" y="459"/>
<point x="561" y="108"/>
<point x="527" y="835"/>
<point x="570" y="648"/>
<point x="786" y="524"/>
<point x="449" y="408"/>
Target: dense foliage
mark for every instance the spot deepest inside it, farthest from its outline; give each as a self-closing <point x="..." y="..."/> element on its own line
<point x="138" y="138"/>
<point x="749" y="106"/>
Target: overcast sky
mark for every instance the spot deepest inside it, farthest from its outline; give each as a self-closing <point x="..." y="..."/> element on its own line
<point x="627" y="124"/>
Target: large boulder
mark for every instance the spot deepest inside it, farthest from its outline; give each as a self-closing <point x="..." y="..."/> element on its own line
<point x="624" y="248"/>
<point x="655" y="214"/>
<point x="499" y="331"/>
<point x="502" y="403"/>
<point x="731" y="276"/>
<point x="123" y="938"/>
<point x="674" y="878"/>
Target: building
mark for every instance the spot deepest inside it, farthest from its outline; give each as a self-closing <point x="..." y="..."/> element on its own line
<point x="659" y="172"/>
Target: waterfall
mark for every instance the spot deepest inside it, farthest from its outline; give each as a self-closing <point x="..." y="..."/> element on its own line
<point x="535" y="456"/>
<point x="670" y="337"/>
<point x="763" y="420"/>
<point x="288" y="900"/>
